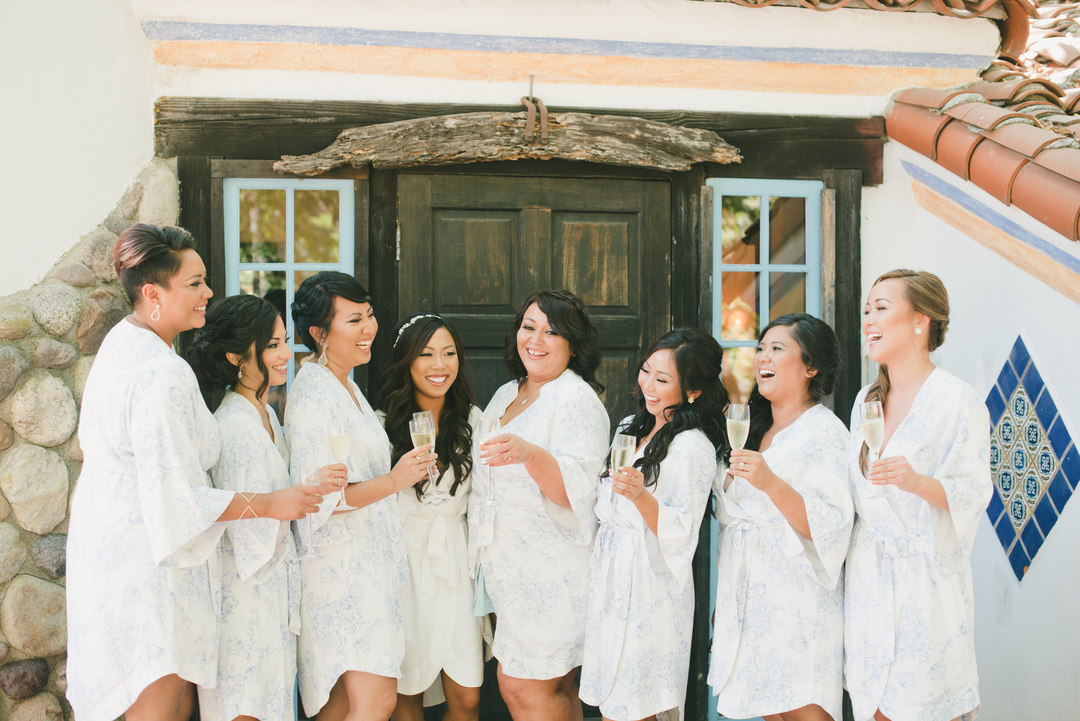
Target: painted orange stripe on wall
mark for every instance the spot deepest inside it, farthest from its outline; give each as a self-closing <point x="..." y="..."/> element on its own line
<point x="1031" y="261"/>
<point x="583" y="69"/>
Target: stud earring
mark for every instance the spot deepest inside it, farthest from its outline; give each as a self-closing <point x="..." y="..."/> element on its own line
<point x="690" y="400"/>
<point x="156" y="315"/>
<point x="918" y="331"/>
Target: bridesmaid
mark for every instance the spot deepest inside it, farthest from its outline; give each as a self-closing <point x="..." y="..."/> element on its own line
<point x="531" y="527"/>
<point x="143" y="574"/>
<point x="351" y="633"/>
<point x="237" y="356"/>
<point x="786" y="512"/>
<point x="909" y="605"/>
<point x="641" y="590"/>
<point x="443" y="639"/>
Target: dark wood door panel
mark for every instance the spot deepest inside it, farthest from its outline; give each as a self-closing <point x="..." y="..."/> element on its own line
<point x="472" y="246"/>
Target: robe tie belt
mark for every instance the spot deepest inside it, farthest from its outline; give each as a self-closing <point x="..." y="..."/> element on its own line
<point x="443" y="553"/>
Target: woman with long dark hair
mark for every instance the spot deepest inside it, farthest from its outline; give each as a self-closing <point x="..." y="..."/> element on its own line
<point x="143" y="555"/>
<point x="237" y="356"/>
<point x="352" y="638"/>
<point x="641" y="590"/>
<point x="909" y="606"/>
<point x="443" y="639"/>
<point x="531" y="521"/>
<point x="785" y="512"/>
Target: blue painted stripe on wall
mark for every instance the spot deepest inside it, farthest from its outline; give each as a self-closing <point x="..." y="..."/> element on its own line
<point x="992" y="216"/>
<point x="321" y="35"/>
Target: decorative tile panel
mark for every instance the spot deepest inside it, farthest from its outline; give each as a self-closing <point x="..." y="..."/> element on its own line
<point x="1033" y="459"/>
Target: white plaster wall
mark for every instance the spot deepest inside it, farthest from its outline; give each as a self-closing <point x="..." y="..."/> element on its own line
<point x="654" y="21"/>
<point x="77" y="125"/>
<point x="1027" y="634"/>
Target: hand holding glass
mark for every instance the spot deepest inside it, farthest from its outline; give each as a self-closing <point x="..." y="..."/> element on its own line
<point x="623" y="448"/>
<point x="339" y="450"/>
<point x="872" y="427"/>
<point x="422" y="433"/>
<point x="487" y="428"/>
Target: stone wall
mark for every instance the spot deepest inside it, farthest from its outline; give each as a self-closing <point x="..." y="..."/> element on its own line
<point x="49" y="334"/>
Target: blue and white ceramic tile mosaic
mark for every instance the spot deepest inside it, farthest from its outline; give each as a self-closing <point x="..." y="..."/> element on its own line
<point x="1034" y="461"/>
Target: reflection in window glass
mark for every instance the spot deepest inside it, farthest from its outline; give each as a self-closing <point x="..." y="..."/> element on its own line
<point x="787" y="294"/>
<point x="260" y="282"/>
<point x="787" y="231"/>
<point x="317" y="228"/>
<point x="740" y="229"/>
<point x="262" y="226"/>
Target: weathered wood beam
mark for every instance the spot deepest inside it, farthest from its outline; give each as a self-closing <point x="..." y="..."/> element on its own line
<point x="496" y="136"/>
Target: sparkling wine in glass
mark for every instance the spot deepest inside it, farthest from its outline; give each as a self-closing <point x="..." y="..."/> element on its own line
<point x="340" y="441"/>
<point x="872" y="427"/>
<point x="623" y="448"/>
<point x="422" y="433"/>
<point x="738" y="424"/>
<point x="487" y="428"/>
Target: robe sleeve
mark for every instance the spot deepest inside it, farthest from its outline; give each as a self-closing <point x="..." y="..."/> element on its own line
<point x="682" y="494"/>
<point x="307" y="430"/>
<point x="830" y="510"/>
<point x="179" y="507"/>
<point x="964" y="474"/>
<point x="243" y="466"/>
<point x="579" y="443"/>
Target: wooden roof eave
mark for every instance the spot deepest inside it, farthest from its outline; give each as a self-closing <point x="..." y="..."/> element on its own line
<point x="496" y="136"/>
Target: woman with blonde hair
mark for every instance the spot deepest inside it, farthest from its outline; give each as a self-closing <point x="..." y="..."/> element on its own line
<point x="909" y="605"/>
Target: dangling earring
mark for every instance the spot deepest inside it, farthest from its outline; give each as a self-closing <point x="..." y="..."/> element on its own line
<point x="918" y="331"/>
<point x="239" y="374"/>
<point x="322" y="356"/>
<point x="156" y="315"/>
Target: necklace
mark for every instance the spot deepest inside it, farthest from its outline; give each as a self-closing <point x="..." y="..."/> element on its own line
<point x="526" y="400"/>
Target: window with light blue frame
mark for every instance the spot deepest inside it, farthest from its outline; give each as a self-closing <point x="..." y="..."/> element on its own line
<point x="279" y="231"/>
<point x="766" y="262"/>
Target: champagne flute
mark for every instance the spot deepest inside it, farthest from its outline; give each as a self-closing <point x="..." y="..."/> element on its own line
<point x="623" y="447"/>
<point x="486" y="428"/>
<point x="340" y="441"/>
<point x="306" y="550"/>
<point x="738" y="424"/>
<point x="872" y="427"/>
<point x="422" y="433"/>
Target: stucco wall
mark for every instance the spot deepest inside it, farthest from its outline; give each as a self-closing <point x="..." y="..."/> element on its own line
<point x="1026" y="632"/>
<point x="77" y="125"/>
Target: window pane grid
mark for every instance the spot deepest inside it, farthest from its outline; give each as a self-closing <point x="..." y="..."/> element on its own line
<point x="342" y="225"/>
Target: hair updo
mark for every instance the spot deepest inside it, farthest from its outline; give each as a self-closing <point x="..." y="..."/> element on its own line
<point x="240" y="324"/>
<point x="313" y="304"/>
<point x="149" y="254"/>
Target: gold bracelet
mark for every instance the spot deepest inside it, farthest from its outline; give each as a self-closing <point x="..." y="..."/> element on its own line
<point x="248" y="498"/>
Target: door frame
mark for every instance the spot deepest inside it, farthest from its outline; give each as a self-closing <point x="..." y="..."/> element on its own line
<point x="845" y="153"/>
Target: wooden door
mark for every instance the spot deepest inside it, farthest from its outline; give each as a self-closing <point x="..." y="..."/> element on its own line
<point x="473" y="246"/>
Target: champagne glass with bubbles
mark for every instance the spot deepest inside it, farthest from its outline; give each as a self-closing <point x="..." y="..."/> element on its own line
<point x="422" y="433"/>
<point x="872" y="427"/>
<point x="340" y="441"/>
<point x="486" y="428"/>
<point x="738" y="424"/>
<point x="623" y="448"/>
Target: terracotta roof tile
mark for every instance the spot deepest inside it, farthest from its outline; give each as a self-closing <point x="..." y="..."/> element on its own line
<point x="1014" y="91"/>
<point x="1023" y="138"/>
<point x="994" y="168"/>
<point x="955" y="146"/>
<point x="915" y="127"/>
<point x="1049" y="197"/>
<point x="931" y="97"/>
<point x="986" y="116"/>
<point x="1063" y="161"/>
